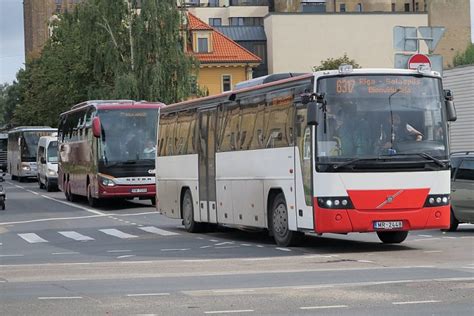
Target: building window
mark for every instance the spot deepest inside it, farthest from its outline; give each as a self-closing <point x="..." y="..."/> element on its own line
<point x="226" y="83"/>
<point x="192" y="3"/>
<point x="342" y="7"/>
<point x="359" y="7"/>
<point x="203" y="45"/>
<point x="417" y="6"/>
<point x="215" y="21"/>
<point x="213" y="3"/>
<point x="407" y="7"/>
<point x="393" y="7"/>
<point x="59" y="6"/>
<point x="246" y="21"/>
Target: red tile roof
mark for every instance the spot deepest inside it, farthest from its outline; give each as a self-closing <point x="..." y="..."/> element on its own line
<point x="224" y="50"/>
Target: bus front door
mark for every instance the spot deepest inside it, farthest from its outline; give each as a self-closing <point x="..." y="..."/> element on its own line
<point x="207" y="166"/>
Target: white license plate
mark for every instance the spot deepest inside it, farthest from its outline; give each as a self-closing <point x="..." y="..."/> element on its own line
<point x="388" y="225"/>
<point x="139" y="190"/>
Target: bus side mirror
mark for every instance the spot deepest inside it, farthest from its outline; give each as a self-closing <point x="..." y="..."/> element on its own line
<point x="450" y="111"/>
<point x="449" y="103"/>
<point x="96" y="127"/>
<point x="42" y="160"/>
<point x="312" y="113"/>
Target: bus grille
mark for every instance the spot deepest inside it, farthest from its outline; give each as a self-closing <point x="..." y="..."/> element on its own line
<point x="3" y="156"/>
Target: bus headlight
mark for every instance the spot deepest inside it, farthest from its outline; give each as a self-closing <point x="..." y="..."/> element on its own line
<point x="107" y="182"/>
<point x="337" y="202"/>
<point x="437" y="200"/>
<point x="25" y="168"/>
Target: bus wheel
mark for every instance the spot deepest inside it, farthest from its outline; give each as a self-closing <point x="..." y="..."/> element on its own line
<point x="153" y="201"/>
<point x="392" y="237"/>
<point x="69" y="196"/>
<point x="453" y="223"/>
<point x="279" y="224"/>
<point x="93" y="202"/>
<point x="48" y="185"/>
<point x="188" y="214"/>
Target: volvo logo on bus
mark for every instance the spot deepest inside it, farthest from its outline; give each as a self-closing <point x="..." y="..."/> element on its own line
<point x="390" y="199"/>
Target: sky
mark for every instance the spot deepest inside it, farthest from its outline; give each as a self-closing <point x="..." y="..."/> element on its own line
<point x="12" y="51"/>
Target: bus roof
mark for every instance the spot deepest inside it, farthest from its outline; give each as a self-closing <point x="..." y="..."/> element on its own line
<point x="32" y="128"/>
<point x="114" y="104"/>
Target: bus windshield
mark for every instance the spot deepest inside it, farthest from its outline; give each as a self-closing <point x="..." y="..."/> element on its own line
<point x="53" y="152"/>
<point x="29" y="144"/>
<point x="128" y="135"/>
<point x="3" y="144"/>
<point x="373" y="116"/>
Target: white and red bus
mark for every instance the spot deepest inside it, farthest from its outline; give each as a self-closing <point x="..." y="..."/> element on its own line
<point x="107" y="150"/>
<point x="341" y="151"/>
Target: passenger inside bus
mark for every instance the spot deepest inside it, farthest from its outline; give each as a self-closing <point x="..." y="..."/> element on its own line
<point x="401" y="132"/>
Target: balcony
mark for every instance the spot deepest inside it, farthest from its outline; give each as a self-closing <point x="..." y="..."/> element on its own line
<point x="248" y="2"/>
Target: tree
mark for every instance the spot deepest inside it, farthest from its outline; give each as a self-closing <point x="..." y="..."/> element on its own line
<point x="104" y="49"/>
<point x="466" y="57"/>
<point x="331" y="63"/>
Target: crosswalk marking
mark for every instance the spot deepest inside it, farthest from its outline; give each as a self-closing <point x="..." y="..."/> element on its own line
<point x="117" y="233"/>
<point x="155" y="230"/>
<point x="76" y="236"/>
<point x="32" y="238"/>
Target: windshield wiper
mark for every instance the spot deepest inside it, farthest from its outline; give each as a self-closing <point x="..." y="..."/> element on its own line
<point x="429" y="157"/>
<point x="350" y="162"/>
<point x="129" y="162"/>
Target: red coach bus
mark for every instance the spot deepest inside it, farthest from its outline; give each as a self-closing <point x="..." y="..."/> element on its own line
<point x="107" y="150"/>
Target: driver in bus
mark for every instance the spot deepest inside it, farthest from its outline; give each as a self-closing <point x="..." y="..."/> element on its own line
<point x="150" y="150"/>
<point x="401" y="132"/>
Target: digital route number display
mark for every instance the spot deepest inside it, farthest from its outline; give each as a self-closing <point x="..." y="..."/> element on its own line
<point x="377" y="85"/>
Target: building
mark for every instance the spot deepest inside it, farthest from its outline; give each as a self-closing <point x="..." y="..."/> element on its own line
<point x="37" y="14"/>
<point x="298" y="41"/>
<point x="222" y="62"/>
<point x="460" y="81"/>
<point x="455" y="17"/>
<point x="348" y="5"/>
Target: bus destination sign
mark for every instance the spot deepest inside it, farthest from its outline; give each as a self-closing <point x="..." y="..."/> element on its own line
<point x="377" y="85"/>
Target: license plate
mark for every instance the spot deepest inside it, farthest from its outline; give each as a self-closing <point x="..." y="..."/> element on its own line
<point x="139" y="190"/>
<point x="388" y="225"/>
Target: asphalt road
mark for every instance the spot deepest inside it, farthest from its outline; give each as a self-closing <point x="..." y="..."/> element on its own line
<point x="60" y="258"/>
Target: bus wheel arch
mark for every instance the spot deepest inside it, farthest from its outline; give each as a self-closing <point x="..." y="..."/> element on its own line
<point x="187" y="211"/>
<point x="277" y="217"/>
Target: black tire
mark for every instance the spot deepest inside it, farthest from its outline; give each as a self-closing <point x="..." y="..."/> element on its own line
<point x="20" y="179"/>
<point x="153" y="201"/>
<point x="3" y="206"/>
<point x="69" y="196"/>
<point x="93" y="202"/>
<point x="39" y="183"/>
<point x="48" y="186"/>
<point x="13" y="177"/>
<point x="187" y="208"/>
<point x="279" y="224"/>
<point x="392" y="237"/>
<point x="453" y="222"/>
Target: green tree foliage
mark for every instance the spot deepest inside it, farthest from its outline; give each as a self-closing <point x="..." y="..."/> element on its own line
<point x="105" y="50"/>
<point x="465" y="58"/>
<point x="334" y="63"/>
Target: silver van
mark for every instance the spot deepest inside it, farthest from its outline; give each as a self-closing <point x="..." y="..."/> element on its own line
<point x="462" y="189"/>
<point x="47" y="162"/>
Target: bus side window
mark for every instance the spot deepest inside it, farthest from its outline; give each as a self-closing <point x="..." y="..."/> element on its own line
<point x="231" y="128"/>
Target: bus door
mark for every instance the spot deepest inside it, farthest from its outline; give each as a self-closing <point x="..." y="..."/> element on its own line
<point x="207" y="166"/>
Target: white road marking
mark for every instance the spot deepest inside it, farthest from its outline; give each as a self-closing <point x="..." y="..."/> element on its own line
<point x="468" y="267"/>
<point x="283" y="249"/>
<point x="224" y="243"/>
<point x="32" y="238"/>
<point x="12" y="255"/>
<point x="204" y="247"/>
<point x="182" y="249"/>
<point x="65" y="253"/>
<point x="125" y="256"/>
<point x="50" y="219"/>
<point x="214" y="240"/>
<point x="260" y="246"/>
<point x="246" y="245"/>
<point x="234" y="291"/>
<point x="227" y="247"/>
<point x="449" y="237"/>
<point x="76" y="236"/>
<point x="59" y="297"/>
<point x="230" y="311"/>
<point x="148" y="294"/>
<point x="428" y="236"/>
<point x="117" y="233"/>
<point x="158" y="231"/>
<point x="365" y="261"/>
<point x="75" y="206"/>
<point x="415" y="302"/>
<point x="118" y="250"/>
<point x="432" y="251"/>
<point x="35" y="193"/>
<point x="323" y="307"/>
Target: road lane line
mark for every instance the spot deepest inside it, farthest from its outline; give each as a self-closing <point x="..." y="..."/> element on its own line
<point x="59" y="297"/>
<point x="50" y="219"/>
<point x="230" y="311"/>
<point x="177" y="249"/>
<point x="65" y="253"/>
<point x="76" y="236"/>
<point x="204" y="247"/>
<point x="234" y="291"/>
<point x="158" y="231"/>
<point x="433" y="251"/>
<point x="118" y="250"/>
<point x="117" y="233"/>
<point x="224" y="243"/>
<point x="1" y="256"/>
<point x="35" y="193"/>
<point x="427" y="236"/>
<point x="74" y="205"/>
<point x="323" y="307"/>
<point x="32" y="238"/>
<point x="283" y="249"/>
<point x="125" y="256"/>
<point x="415" y="302"/>
<point x="148" y="294"/>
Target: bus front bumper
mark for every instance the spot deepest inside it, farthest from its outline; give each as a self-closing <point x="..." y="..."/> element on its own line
<point x="353" y="220"/>
<point x="127" y="191"/>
